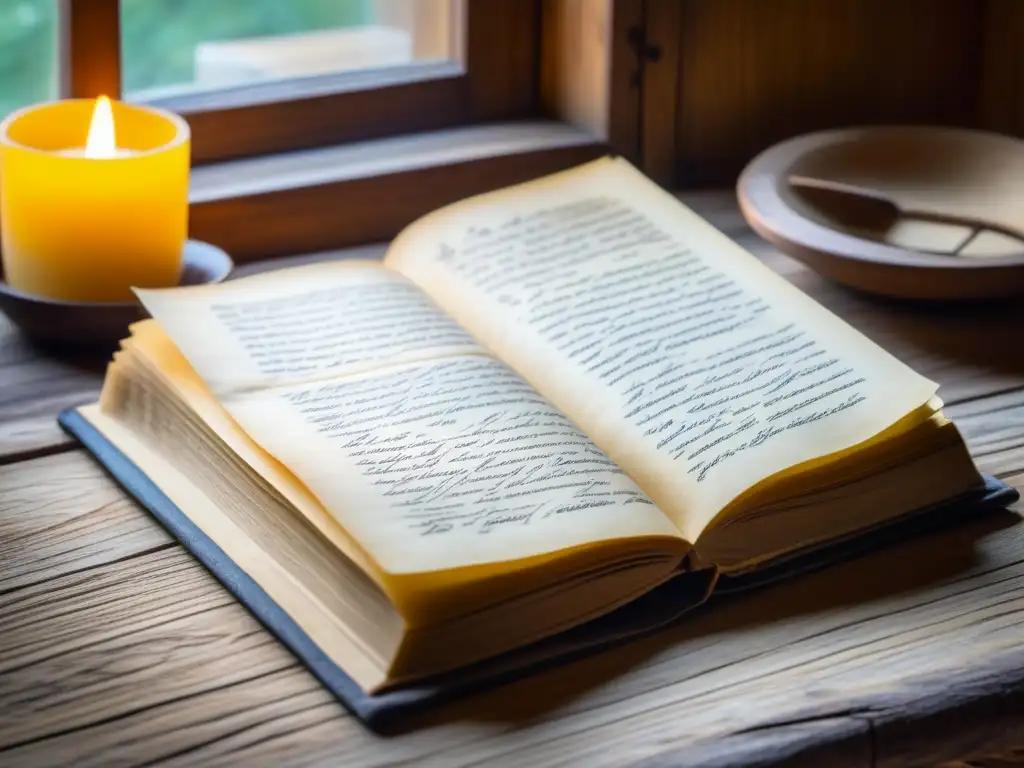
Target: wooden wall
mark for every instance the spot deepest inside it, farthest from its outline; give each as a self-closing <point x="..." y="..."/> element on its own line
<point x="748" y="73"/>
<point x="1002" y="90"/>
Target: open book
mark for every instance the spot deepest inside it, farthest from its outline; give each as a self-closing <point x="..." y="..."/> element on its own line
<point x="544" y="404"/>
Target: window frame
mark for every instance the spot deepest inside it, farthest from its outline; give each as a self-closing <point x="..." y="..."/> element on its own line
<point x="516" y="111"/>
<point x="90" y="63"/>
<point x="629" y="76"/>
<point x="494" y="81"/>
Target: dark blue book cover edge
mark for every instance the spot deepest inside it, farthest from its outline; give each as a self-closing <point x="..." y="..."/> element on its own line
<point x="389" y="710"/>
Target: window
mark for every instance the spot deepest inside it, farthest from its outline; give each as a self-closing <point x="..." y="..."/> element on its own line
<point x="259" y="76"/>
<point x="320" y="124"/>
<point x="28" y="53"/>
<point x="172" y="48"/>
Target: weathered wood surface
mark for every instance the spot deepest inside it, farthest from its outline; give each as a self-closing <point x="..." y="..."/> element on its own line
<point x="752" y="73"/>
<point x="142" y="655"/>
<point x="34" y="385"/>
<point x="117" y="648"/>
<point x="46" y="530"/>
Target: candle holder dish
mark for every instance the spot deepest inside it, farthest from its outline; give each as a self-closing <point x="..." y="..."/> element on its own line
<point x="923" y="213"/>
<point x="102" y="324"/>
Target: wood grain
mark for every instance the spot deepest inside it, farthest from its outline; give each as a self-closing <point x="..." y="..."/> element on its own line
<point x="244" y="720"/>
<point x="589" y="73"/>
<point x="754" y="73"/>
<point x="92" y="58"/>
<point x="265" y="118"/>
<point x="134" y="634"/>
<point x="1001" y="104"/>
<point x="575" y="65"/>
<point x="994" y="429"/>
<point x="502" y="58"/>
<point x="59" y="516"/>
<point x="366" y="192"/>
<point x="37" y="384"/>
<point x="148" y="658"/>
<point x="660" y="89"/>
<point x="624" y="110"/>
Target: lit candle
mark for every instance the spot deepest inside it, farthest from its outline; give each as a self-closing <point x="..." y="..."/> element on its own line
<point x="93" y="199"/>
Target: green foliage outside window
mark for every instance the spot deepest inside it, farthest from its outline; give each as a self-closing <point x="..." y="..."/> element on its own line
<point x="28" y="30"/>
<point x="158" y="37"/>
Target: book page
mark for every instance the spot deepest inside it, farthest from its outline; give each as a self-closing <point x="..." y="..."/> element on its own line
<point x="692" y="365"/>
<point x="448" y="463"/>
<point x="430" y="453"/>
<point x="303" y="324"/>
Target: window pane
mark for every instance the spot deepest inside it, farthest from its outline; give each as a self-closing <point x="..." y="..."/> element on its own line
<point x="28" y="60"/>
<point x="174" y="46"/>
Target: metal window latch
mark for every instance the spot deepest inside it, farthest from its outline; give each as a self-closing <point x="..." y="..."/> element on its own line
<point x="645" y="50"/>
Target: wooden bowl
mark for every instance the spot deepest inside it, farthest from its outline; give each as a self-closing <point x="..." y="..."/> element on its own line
<point x="906" y="212"/>
<point x="101" y="324"/>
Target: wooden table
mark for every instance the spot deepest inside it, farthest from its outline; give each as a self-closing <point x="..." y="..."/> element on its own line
<point x="117" y="648"/>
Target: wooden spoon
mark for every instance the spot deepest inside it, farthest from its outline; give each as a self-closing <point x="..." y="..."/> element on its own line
<point x="873" y="213"/>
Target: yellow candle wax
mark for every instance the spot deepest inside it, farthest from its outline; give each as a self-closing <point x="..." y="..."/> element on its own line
<point x="93" y="200"/>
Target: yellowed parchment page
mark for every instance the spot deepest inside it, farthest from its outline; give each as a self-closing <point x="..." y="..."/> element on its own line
<point x="150" y="343"/>
<point x="429" y="452"/>
<point x="692" y="365"/>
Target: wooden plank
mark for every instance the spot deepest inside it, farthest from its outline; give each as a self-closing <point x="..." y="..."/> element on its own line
<point x="624" y="111"/>
<point x="214" y="725"/>
<point x="575" y="62"/>
<point x="589" y="72"/>
<point x="92" y="59"/>
<point x="144" y="617"/>
<point x="60" y="515"/>
<point x="994" y="429"/>
<point x="502" y="55"/>
<point x="367" y="192"/>
<point x="1001" y="106"/>
<point x="135" y="633"/>
<point x="660" y="89"/>
<point x="754" y="73"/>
<point x="149" y="659"/>
<point x="288" y="115"/>
<point x="35" y="384"/>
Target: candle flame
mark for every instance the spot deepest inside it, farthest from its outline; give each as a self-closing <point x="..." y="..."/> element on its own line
<point x="101" y="143"/>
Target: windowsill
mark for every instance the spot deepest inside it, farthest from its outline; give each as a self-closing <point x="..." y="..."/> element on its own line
<point x="365" y="192"/>
<point x="362" y="159"/>
<point x="188" y="101"/>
